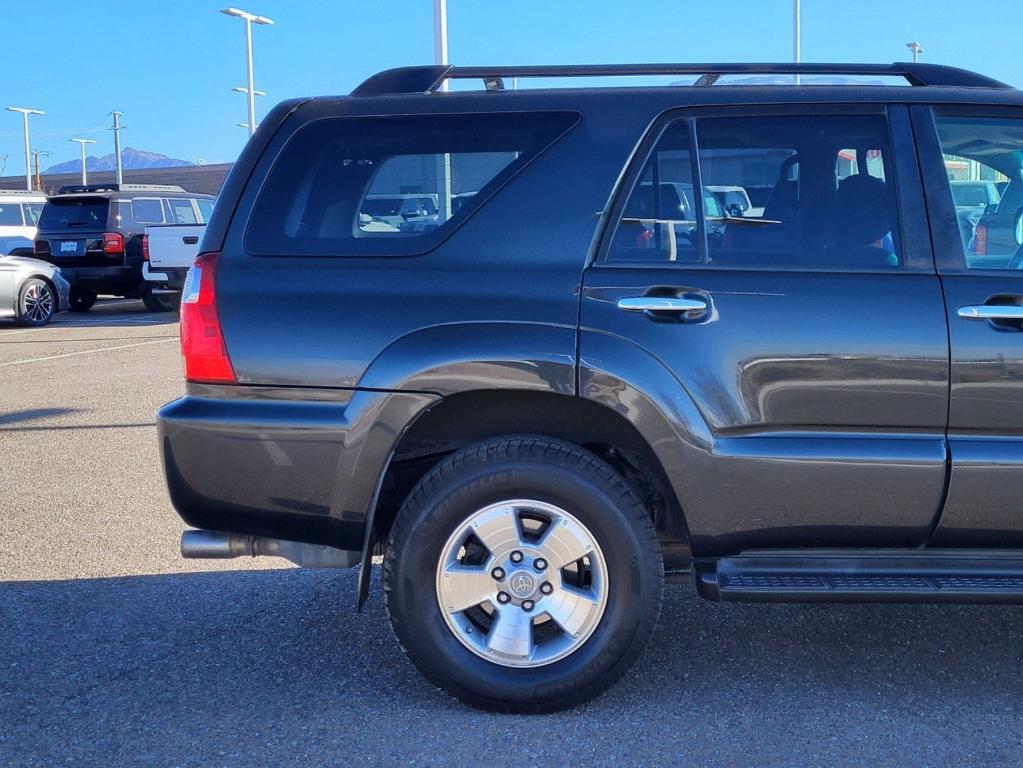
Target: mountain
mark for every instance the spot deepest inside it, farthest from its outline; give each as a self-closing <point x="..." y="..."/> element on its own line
<point x="131" y="159"/>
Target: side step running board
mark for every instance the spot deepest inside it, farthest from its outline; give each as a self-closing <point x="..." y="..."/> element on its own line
<point x="919" y="575"/>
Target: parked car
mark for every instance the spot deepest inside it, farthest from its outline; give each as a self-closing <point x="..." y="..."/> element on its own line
<point x="996" y="230"/>
<point x="31" y="291"/>
<point x="972" y="200"/>
<point x="19" y="214"/>
<point x="401" y="210"/>
<point x="536" y="420"/>
<point x="168" y="250"/>
<point x="94" y="232"/>
<point x="735" y="201"/>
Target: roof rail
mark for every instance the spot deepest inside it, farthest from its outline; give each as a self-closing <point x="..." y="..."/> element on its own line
<point x="69" y="189"/>
<point x="427" y="79"/>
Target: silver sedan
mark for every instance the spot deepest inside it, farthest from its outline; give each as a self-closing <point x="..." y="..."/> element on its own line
<point x="31" y="291"/>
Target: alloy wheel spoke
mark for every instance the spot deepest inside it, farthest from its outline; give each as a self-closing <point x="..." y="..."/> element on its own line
<point x="565" y="542"/>
<point x="570" y="608"/>
<point x="499" y="530"/>
<point x="511" y="633"/>
<point x="464" y="586"/>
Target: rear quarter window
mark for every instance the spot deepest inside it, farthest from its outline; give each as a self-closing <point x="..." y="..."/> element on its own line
<point x="364" y="186"/>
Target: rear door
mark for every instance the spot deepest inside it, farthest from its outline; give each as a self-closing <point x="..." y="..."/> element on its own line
<point x="810" y="336"/>
<point x="980" y="263"/>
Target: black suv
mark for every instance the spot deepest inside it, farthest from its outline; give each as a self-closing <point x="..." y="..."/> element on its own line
<point x="93" y="232"/>
<point x="569" y="385"/>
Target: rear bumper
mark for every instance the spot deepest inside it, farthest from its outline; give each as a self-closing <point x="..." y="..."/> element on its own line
<point x="283" y="463"/>
<point x="165" y="277"/>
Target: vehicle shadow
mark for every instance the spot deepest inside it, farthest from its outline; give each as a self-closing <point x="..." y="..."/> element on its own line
<point x="276" y="667"/>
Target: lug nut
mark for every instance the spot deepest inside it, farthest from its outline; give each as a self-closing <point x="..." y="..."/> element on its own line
<point x="503" y="597"/>
<point x="527" y="605"/>
<point x="540" y="564"/>
<point x="498" y="573"/>
<point x="516" y="556"/>
<point x="546" y="588"/>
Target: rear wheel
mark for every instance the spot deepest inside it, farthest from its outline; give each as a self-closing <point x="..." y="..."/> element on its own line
<point x="160" y="302"/>
<point x="523" y="575"/>
<point x="81" y="301"/>
<point x="37" y="302"/>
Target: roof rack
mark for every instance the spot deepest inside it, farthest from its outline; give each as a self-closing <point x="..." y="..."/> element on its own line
<point x="427" y="79"/>
<point x="70" y="189"/>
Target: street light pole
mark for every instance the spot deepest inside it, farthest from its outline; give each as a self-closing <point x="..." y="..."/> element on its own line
<point x="249" y="19"/>
<point x="82" y="143"/>
<point x="917" y="49"/>
<point x="28" y="152"/>
<point x="440" y="56"/>
<point x="117" y="145"/>
<point x="796" y="34"/>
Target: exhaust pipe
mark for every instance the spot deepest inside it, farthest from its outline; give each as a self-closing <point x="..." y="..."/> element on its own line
<point x="217" y="545"/>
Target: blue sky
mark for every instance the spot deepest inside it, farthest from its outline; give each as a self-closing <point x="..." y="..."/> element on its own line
<point x="169" y="66"/>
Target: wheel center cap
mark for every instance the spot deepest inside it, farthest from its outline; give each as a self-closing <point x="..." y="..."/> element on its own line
<point x="522" y="583"/>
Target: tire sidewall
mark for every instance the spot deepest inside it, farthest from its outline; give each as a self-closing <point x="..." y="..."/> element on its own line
<point x="633" y="583"/>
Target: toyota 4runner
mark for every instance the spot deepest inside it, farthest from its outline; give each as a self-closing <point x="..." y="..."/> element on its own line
<point x="567" y="384"/>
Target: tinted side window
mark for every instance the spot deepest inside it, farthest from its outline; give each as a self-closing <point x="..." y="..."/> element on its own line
<point x="182" y="212"/>
<point x="984" y="162"/>
<point x="10" y="215"/>
<point x="32" y="211"/>
<point x="823" y="184"/>
<point x="147" y="210"/>
<point x="390" y="185"/>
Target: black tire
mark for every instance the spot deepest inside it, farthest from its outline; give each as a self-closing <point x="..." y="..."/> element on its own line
<point x="546" y="470"/>
<point x="81" y="301"/>
<point x="37" y="303"/>
<point x="160" y="302"/>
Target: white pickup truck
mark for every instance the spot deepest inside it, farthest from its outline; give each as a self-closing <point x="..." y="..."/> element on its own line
<point x="167" y="253"/>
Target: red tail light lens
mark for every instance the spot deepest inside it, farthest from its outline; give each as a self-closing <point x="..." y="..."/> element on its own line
<point x="202" y="340"/>
<point x="41" y="246"/>
<point x="113" y="243"/>
<point x="145" y="247"/>
<point x="980" y="240"/>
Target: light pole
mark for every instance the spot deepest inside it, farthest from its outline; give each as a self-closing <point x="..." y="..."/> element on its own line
<point x="82" y="143"/>
<point x="117" y="146"/>
<point x="242" y="89"/>
<point x="250" y="92"/>
<point x="917" y="49"/>
<point x="796" y="34"/>
<point x="28" y="153"/>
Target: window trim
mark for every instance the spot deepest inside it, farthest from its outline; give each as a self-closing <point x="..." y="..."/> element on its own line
<point x="949" y="254"/>
<point x="402" y="247"/>
<point x="916" y="253"/>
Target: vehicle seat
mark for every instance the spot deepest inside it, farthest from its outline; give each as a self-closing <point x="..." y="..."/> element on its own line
<point x="860" y="222"/>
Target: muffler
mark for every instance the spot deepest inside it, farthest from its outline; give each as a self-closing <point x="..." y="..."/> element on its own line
<point x="219" y="545"/>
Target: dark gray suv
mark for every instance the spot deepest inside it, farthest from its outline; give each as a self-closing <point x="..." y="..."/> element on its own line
<point x="566" y="386"/>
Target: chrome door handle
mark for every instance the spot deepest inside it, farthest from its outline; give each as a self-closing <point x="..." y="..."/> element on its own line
<point x="991" y="312"/>
<point x="660" y="304"/>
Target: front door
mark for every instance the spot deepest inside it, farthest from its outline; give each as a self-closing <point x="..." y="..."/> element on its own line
<point x="972" y="159"/>
<point x="804" y="334"/>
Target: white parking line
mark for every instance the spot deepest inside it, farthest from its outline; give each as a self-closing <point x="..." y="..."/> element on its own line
<point x="85" y="352"/>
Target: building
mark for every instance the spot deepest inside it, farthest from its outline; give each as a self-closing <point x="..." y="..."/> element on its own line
<point x="204" y="179"/>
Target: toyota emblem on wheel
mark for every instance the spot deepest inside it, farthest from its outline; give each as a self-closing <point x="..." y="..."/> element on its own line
<point x="522" y="584"/>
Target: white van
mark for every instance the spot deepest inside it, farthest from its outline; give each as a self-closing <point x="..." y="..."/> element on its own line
<point x="19" y="215"/>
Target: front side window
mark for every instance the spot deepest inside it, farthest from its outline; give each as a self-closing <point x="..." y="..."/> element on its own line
<point x="779" y="192"/>
<point x="984" y="161"/>
<point x="182" y="212"/>
<point x="205" y="208"/>
<point x="390" y="185"/>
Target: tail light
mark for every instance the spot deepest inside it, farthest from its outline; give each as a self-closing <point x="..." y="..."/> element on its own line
<point x="113" y="243"/>
<point x="202" y="339"/>
<point x="980" y="240"/>
<point x="145" y="247"/>
<point x="41" y="247"/>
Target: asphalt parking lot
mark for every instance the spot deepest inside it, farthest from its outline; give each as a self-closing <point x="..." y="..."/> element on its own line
<point x="114" y="651"/>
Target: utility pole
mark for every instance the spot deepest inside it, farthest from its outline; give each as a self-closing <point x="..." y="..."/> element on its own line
<point x="249" y="19"/>
<point x="28" y="153"/>
<point x="917" y="49"/>
<point x="39" y="178"/>
<point x="82" y="143"/>
<point x="117" y="144"/>
<point x="440" y="56"/>
<point x="796" y="35"/>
